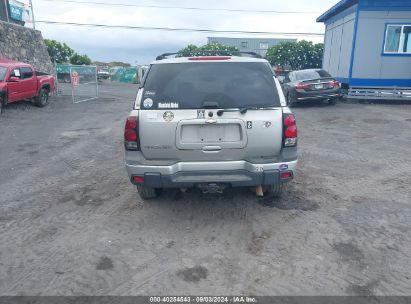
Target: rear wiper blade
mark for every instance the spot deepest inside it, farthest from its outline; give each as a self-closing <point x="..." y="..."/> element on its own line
<point x="243" y="110"/>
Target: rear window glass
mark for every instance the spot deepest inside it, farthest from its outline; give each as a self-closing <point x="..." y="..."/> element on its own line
<point x="311" y="74"/>
<point x="224" y="84"/>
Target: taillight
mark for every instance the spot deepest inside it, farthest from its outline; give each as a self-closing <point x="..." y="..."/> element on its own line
<point x="302" y="86"/>
<point x="138" y="179"/>
<point x="333" y="84"/>
<point x="290" y="130"/>
<point x="286" y="175"/>
<point x="131" y="141"/>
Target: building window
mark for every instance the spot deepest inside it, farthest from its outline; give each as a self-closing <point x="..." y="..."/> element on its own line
<point x="263" y="45"/>
<point x="244" y="44"/>
<point x="397" y="39"/>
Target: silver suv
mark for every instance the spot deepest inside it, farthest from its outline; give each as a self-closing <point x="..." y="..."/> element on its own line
<point x="210" y="122"/>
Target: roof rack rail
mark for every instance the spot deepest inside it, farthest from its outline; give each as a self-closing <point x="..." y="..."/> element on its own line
<point x="210" y="52"/>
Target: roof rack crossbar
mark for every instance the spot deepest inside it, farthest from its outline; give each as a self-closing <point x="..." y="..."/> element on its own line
<point x="210" y="52"/>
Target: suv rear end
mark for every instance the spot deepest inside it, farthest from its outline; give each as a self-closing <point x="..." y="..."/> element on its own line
<point x="210" y="122"/>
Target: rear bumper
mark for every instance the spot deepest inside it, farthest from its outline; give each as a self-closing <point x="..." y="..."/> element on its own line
<point x="231" y="173"/>
<point x="319" y="96"/>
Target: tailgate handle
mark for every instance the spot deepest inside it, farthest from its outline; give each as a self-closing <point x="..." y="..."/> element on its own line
<point x="211" y="148"/>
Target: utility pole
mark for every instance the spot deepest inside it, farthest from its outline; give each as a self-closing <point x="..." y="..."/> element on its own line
<point x="32" y="13"/>
<point x="6" y="5"/>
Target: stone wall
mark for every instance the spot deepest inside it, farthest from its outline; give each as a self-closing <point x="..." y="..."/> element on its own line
<point x="24" y="44"/>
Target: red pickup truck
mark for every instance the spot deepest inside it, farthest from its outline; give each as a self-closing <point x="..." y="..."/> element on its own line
<point x="19" y="81"/>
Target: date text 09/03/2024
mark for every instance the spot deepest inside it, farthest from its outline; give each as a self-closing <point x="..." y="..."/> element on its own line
<point x="203" y="299"/>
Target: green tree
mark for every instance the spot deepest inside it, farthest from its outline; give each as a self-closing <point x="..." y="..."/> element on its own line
<point x="296" y="55"/>
<point x="188" y="50"/>
<point x="80" y="59"/>
<point x="58" y="52"/>
<point x="193" y="50"/>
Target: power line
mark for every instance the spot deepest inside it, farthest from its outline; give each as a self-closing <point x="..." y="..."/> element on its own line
<point x="178" y="29"/>
<point x="185" y="7"/>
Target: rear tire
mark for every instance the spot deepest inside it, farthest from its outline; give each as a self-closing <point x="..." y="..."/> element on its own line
<point x="332" y="102"/>
<point x="3" y="102"/>
<point x="43" y="98"/>
<point x="67" y="78"/>
<point x="146" y="192"/>
<point x="275" y="190"/>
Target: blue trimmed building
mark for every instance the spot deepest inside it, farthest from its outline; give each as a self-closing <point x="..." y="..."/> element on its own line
<point x="367" y="47"/>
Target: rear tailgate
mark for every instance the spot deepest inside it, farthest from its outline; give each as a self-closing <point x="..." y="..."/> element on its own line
<point x="234" y="136"/>
<point x="179" y="108"/>
<point x="323" y="84"/>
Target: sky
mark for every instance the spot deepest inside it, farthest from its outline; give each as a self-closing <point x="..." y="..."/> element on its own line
<point x="141" y="46"/>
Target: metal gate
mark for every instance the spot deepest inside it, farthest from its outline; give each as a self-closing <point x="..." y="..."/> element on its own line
<point x="78" y="81"/>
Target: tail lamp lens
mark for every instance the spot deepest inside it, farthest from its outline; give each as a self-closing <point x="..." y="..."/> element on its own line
<point x="138" y="179"/>
<point x="302" y="86"/>
<point x="131" y="122"/>
<point x="290" y="130"/>
<point x="286" y="175"/>
<point x="131" y="133"/>
<point x="334" y="84"/>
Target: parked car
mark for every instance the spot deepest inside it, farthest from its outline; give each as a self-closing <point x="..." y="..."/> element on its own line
<point x="310" y="84"/>
<point x="103" y="73"/>
<point x="210" y="122"/>
<point x="19" y="81"/>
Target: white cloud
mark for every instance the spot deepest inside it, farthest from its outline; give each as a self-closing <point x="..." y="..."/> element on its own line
<point x="144" y="45"/>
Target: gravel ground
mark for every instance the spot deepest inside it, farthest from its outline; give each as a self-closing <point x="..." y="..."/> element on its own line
<point x="72" y="224"/>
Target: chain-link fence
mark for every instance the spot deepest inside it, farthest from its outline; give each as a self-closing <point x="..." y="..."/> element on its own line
<point x="132" y="74"/>
<point x="78" y="81"/>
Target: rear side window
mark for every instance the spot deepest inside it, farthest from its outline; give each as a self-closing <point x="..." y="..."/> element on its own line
<point x="226" y="84"/>
<point x="26" y="72"/>
<point x="311" y="74"/>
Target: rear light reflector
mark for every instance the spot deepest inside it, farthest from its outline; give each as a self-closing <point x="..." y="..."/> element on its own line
<point x="290" y="130"/>
<point x="302" y="86"/>
<point x="131" y="141"/>
<point x="286" y="175"/>
<point x="138" y="179"/>
<point x="210" y="58"/>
